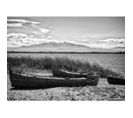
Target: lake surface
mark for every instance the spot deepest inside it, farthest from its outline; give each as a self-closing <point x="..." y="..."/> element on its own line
<point x="115" y="62"/>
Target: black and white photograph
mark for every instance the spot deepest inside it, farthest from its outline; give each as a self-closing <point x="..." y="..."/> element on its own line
<point x="65" y="58"/>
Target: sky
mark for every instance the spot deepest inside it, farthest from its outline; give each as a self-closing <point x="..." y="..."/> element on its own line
<point x="94" y="32"/>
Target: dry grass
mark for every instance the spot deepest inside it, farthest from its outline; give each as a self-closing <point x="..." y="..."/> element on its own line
<point x="59" y="63"/>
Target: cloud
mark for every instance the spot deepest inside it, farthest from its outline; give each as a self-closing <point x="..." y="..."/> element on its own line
<point x="21" y="39"/>
<point x="16" y="35"/>
<point x="19" y="22"/>
<point x="113" y="41"/>
<point x="106" y="43"/>
<point x="31" y="36"/>
<point x="42" y="30"/>
<point x="14" y="25"/>
<point x="34" y="27"/>
<point x="18" y="39"/>
<point x="49" y="37"/>
<point x="22" y="21"/>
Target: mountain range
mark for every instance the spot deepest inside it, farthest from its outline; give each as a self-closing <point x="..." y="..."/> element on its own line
<point x="62" y="47"/>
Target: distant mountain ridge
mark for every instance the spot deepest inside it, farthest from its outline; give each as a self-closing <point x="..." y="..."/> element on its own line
<point x="61" y="47"/>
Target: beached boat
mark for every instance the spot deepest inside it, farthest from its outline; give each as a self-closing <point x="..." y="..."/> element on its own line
<point x="63" y="73"/>
<point x="29" y="82"/>
<point x="116" y="80"/>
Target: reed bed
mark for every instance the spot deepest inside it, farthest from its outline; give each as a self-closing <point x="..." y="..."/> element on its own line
<point x="59" y="63"/>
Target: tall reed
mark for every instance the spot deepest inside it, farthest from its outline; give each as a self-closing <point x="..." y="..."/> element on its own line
<point x="59" y="63"/>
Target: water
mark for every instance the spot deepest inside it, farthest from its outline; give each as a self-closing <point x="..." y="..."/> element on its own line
<point x="115" y="62"/>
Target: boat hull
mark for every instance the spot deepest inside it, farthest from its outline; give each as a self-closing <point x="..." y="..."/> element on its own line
<point x="116" y="81"/>
<point x="25" y="82"/>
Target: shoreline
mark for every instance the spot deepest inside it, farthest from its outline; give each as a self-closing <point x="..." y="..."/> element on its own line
<point x="121" y="52"/>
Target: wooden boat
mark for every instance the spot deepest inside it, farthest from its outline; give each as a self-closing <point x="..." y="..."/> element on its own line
<point x="116" y="80"/>
<point x="63" y="73"/>
<point x="20" y="81"/>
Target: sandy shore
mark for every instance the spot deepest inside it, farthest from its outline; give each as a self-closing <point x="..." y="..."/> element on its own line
<point x="103" y="91"/>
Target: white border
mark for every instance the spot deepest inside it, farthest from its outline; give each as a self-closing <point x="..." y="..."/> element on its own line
<point x="65" y="8"/>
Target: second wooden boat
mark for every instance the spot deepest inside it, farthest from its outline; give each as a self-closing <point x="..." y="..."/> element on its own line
<point x="63" y="73"/>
